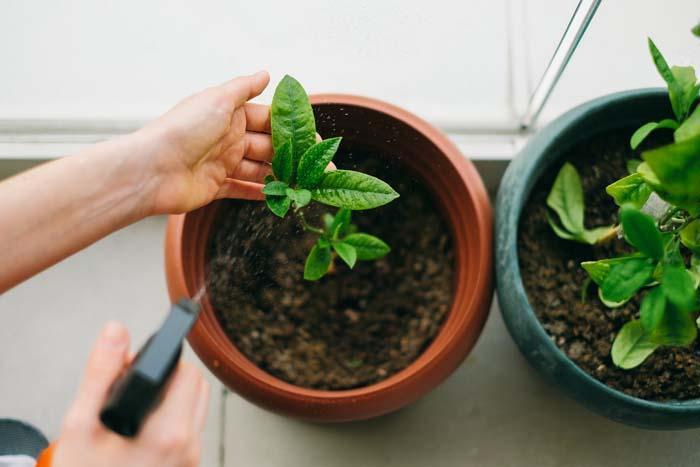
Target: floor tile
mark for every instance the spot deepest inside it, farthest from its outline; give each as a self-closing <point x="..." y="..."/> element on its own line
<point x="47" y="324"/>
<point x="494" y="411"/>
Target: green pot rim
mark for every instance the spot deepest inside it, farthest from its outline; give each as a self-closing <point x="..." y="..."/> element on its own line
<point x="543" y="150"/>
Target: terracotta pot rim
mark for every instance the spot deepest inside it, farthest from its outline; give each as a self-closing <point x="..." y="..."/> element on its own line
<point x="516" y="309"/>
<point x="474" y="308"/>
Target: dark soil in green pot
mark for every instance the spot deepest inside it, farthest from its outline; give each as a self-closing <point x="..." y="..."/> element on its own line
<point x="560" y="324"/>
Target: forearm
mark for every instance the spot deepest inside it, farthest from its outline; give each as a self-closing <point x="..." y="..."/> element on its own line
<point x="58" y="208"/>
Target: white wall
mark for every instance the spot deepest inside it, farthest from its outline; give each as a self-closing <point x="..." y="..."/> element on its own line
<point x="132" y="59"/>
<point x="464" y="65"/>
<point x="613" y="55"/>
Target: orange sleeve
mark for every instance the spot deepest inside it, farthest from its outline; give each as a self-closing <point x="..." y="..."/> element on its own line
<point x="46" y="456"/>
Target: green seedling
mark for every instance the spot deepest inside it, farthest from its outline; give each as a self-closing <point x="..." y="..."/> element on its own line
<point x="301" y="176"/>
<point x="682" y="91"/>
<point x="664" y="267"/>
<point x="566" y="202"/>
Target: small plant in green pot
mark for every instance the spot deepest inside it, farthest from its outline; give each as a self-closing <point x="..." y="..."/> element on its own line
<point x="659" y="219"/>
<point x="604" y="237"/>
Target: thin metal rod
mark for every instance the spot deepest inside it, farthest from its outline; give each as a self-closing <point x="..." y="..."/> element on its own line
<point x="583" y="14"/>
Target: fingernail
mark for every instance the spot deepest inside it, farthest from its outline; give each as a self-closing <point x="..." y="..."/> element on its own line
<point x="114" y="335"/>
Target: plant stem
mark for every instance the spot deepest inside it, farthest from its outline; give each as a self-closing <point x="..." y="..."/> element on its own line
<point x="687" y="221"/>
<point x="672" y="211"/>
<point x="611" y="235"/>
<point x="306" y="226"/>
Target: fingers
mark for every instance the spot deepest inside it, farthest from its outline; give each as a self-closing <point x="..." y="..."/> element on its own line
<point x="180" y="403"/>
<point x="251" y="171"/>
<point x="200" y="411"/>
<point x="238" y="189"/>
<point x="242" y="89"/>
<point x="257" y="117"/>
<point x="331" y="166"/>
<point x="107" y="359"/>
<point x="258" y="146"/>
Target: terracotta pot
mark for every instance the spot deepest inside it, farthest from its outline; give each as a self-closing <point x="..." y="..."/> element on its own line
<point x="615" y="111"/>
<point x="460" y="195"/>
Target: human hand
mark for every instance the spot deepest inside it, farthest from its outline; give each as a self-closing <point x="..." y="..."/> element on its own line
<point x="170" y="436"/>
<point x="213" y="144"/>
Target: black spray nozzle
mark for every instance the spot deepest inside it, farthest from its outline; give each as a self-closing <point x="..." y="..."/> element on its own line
<point x="139" y="387"/>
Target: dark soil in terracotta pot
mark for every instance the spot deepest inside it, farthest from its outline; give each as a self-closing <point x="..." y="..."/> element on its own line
<point x="351" y="328"/>
<point x="577" y="321"/>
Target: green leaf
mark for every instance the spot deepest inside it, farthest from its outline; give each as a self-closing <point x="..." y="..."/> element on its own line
<point x="694" y="270"/>
<point x="566" y="199"/>
<point x="347" y="253"/>
<point x="679" y="287"/>
<point x="677" y="171"/>
<point x="591" y="236"/>
<point x="279" y="205"/>
<point x="318" y="262"/>
<point x="632" y="165"/>
<point x="328" y="221"/>
<point x="631" y="346"/>
<point x="651" y="311"/>
<point x="341" y="222"/>
<point x="353" y="190"/>
<point x="300" y="196"/>
<point x="292" y="119"/>
<point x="632" y="189"/>
<point x="646" y="129"/>
<point x="660" y="62"/>
<point x="275" y="188"/>
<point x="368" y="247"/>
<point x="599" y="270"/>
<point x="696" y="30"/>
<point x="677" y="327"/>
<point x="649" y="176"/>
<point x="560" y="231"/>
<point x="282" y="162"/>
<point x="641" y="232"/>
<point x="626" y="278"/>
<point x="690" y="236"/>
<point x="686" y="79"/>
<point x="314" y="161"/>
<point x="690" y="127"/>
<point x="610" y="303"/>
<point x="674" y="90"/>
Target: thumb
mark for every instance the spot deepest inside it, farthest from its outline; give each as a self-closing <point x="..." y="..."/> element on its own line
<point x="107" y="359"/>
<point x="240" y="90"/>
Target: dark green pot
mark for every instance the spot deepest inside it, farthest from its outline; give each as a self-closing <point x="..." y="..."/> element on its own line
<point x="625" y="109"/>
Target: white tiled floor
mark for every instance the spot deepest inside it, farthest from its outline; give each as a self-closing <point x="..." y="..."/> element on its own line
<point x="494" y="411"/>
<point x="48" y="323"/>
